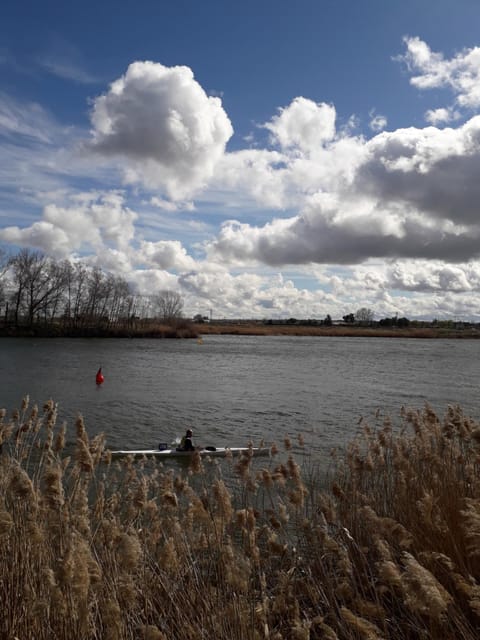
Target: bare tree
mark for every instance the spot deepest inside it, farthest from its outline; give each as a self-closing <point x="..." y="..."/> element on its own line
<point x="4" y="262"/>
<point x="38" y="282"/>
<point x="121" y="300"/>
<point x="4" y="259"/>
<point x="55" y="295"/>
<point x="40" y="289"/>
<point x="169" y="305"/>
<point x="364" y="315"/>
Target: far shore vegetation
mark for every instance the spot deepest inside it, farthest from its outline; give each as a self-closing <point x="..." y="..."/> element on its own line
<point x="372" y="330"/>
<point x="41" y="297"/>
<point x="184" y="328"/>
<point x="382" y="545"/>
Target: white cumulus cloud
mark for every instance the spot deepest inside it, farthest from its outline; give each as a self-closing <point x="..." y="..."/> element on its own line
<point x="407" y="193"/>
<point x="441" y="115"/>
<point x="303" y="124"/>
<point x="91" y="222"/>
<point x="163" y="122"/>
<point x="391" y="221"/>
<point x="165" y="254"/>
<point x="461" y="73"/>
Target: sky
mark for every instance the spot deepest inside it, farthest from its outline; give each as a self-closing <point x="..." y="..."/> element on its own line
<point x="265" y="159"/>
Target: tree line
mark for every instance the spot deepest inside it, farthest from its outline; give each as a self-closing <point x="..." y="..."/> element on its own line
<point x="38" y="290"/>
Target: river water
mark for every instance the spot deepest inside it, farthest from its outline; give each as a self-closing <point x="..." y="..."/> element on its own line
<point x="232" y="389"/>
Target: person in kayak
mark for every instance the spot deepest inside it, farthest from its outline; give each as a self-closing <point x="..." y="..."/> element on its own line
<point x="186" y="443"/>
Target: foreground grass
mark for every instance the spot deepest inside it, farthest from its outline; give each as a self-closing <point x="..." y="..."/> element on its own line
<point x="95" y="549"/>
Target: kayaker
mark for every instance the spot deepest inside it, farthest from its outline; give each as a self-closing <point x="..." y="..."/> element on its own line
<point x="186" y="443"/>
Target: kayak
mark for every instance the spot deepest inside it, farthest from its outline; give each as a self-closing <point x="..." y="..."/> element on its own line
<point x="221" y="452"/>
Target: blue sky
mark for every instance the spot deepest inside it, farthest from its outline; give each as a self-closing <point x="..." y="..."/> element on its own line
<point x="265" y="159"/>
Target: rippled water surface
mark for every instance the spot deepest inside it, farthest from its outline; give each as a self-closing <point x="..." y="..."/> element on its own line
<point x="235" y="388"/>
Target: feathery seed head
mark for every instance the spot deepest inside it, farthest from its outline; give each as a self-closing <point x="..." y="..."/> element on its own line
<point x="21" y="485"/>
<point x="129" y="550"/>
<point x="169" y="499"/>
<point x="196" y="466"/>
<point x="361" y="627"/>
<point x="6" y="523"/>
<point x="424" y="594"/>
<point x="59" y="444"/>
<point x="151" y="632"/>
<point x="83" y="456"/>
<point x="267" y="479"/>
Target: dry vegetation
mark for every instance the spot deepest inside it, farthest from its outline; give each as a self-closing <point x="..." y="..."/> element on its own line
<point x="179" y="328"/>
<point x="92" y="548"/>
<point x="259" y="329"/>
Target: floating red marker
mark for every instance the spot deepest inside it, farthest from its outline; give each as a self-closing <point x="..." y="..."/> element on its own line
<point x="99" y="377"/>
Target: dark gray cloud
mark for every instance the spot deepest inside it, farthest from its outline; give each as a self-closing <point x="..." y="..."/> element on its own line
<point x="433" y="171"/>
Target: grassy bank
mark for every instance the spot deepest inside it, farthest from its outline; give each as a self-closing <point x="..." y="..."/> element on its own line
<point x="387" y="548"/>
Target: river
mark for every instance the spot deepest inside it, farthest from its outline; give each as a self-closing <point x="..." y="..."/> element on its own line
<point x="232" y="389"/>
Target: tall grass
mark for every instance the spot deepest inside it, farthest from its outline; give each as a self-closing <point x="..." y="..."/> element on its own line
<point x="388" y="548"/>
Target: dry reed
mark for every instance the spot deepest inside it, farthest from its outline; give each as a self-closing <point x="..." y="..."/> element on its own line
<point x="387" y="547"/>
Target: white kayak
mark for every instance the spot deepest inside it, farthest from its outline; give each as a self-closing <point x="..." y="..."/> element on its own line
<point x="221" y="452"/>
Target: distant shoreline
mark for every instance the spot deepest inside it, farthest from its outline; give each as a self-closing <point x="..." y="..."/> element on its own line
<point x="254" y="329"/>
<point x="156" y="331"/>
<point x="197" y="330"/>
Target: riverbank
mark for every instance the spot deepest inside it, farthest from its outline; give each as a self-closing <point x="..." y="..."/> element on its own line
<point x="188" y="329"/>
<point x="185" y="329"/>
<point x="257" y="329"/>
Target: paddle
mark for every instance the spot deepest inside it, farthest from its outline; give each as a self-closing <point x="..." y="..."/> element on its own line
<point x="164" y="445"/>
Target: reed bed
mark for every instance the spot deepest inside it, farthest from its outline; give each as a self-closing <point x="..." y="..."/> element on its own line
<point x="388" y="547"/>
<point x="339" y="331"/>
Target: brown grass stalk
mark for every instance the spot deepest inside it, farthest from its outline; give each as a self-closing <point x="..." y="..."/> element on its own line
<point x="385" y="547"/>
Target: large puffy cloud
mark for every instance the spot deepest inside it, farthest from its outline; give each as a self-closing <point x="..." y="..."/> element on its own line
<point x="320" y="236"/>
<point x="433" y="171"/>
<point x="162" y="121"/>
<point x="408" y="193"/>
<point x="308" y="157"/>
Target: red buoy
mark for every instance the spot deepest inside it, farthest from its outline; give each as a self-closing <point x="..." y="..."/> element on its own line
<point x="99" y="377"/>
